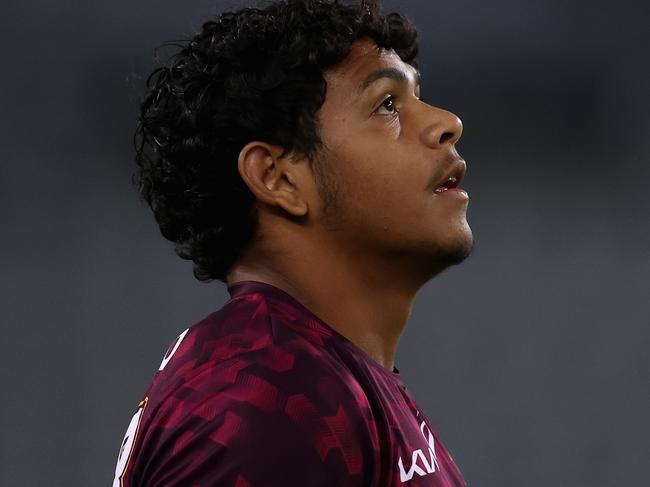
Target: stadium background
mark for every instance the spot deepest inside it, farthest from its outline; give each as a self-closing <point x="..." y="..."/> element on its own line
<point x="531" y="358"/>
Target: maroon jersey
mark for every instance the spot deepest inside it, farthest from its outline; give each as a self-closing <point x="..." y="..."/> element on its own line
<point x="264" y="393"/>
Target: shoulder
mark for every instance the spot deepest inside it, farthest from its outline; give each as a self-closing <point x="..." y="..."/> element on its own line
<point x="242" y="395"/>
<point x="271" y="382"/>
<point x="253" y="350"/>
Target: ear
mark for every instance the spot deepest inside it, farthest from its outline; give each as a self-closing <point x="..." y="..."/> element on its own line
<point x="273" y="180"/>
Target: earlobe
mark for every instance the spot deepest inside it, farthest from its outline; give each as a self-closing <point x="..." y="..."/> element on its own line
<point x="270" y="177"/>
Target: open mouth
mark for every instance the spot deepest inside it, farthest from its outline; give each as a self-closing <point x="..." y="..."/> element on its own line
<point x="450" y="183"/>
<point x="453" y="178"/>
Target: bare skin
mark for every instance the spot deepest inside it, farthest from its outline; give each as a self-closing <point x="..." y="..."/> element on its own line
<point x="359" y="262"/>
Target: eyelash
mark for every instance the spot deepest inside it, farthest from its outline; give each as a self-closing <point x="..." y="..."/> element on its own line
<point x="394" y="99"/>
<point x="391" y="98"/>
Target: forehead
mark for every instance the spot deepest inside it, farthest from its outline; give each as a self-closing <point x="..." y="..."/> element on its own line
<point x="364" y="58"/>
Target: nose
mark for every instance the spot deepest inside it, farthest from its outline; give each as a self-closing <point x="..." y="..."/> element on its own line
<point x="443" y="128"/>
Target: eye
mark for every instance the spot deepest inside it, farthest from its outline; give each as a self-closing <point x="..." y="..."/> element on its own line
<point x="389" y="105"/>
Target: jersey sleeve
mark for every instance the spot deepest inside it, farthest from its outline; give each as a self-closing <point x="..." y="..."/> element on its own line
<point x="255" y="432"/>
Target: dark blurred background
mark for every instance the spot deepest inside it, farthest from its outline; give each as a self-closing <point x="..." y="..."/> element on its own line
<point x="531" y="358"/>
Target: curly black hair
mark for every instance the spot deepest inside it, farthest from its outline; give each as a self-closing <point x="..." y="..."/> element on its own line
<point x="251" y="74"/>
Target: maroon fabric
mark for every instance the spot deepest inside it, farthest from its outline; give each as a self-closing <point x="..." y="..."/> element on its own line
<point x="264" y="393"/>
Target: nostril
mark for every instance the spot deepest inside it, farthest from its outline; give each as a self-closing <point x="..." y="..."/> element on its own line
<point x="445" y="137"/>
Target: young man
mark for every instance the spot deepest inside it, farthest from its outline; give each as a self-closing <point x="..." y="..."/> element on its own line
<point x="286" y="152"/>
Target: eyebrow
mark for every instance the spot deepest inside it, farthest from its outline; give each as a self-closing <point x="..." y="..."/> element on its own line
<point x="391" y="73"/>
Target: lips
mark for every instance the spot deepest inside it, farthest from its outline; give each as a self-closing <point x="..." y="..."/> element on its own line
<point x="450" y="183"/>
<point x="453" y="177"/>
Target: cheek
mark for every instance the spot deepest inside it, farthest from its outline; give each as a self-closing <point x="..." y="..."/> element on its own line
<point x="377" y="177"/>
<point x="370" y="186"/>
<point x="382" y="205"/>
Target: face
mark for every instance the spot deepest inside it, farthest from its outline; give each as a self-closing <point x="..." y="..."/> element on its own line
<point x="389" y="162"/>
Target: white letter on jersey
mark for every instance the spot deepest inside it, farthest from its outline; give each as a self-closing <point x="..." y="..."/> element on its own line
<point x="127" y="444"/>
<point x="432" y="447"/>
<point x="170" y="353"/>
<point x="430" y="465"/>
<point x="415" y="468"/>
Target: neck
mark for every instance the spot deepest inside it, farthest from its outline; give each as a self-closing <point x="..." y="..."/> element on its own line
<point x="367" y="301"/>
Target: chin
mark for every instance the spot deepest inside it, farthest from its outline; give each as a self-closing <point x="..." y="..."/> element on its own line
<point x="456" y="249"/>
